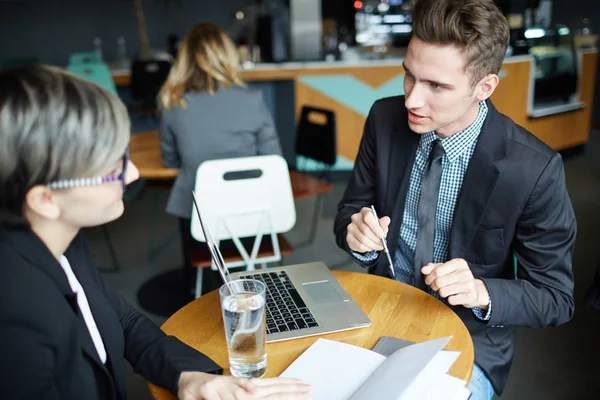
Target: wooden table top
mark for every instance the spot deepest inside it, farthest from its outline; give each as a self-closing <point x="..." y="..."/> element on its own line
<point x="395" y="309"/>
<point x="144" y="150"/>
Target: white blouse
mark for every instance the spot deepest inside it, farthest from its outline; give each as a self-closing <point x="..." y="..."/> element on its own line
<point x="84" y="307"/>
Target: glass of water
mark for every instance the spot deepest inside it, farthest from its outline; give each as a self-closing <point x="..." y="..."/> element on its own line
<point x="245" y="329"/>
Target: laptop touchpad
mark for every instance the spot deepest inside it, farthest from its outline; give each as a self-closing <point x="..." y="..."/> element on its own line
<point x="322" y="292"/>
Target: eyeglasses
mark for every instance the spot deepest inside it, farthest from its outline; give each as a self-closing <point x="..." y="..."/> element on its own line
<point x="93" y="181"/>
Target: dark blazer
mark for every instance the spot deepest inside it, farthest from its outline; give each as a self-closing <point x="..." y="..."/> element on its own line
<point x="513" y="201"/>
<point x="46" y="351"/>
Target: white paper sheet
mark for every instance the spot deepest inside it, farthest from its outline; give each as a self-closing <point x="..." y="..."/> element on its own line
<point x="339" y="371"/>
<point x="335" y="370"/>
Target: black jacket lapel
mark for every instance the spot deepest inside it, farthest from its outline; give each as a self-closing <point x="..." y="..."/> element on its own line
<point x="32" y="249"/>
<point x="106" y="321"/>
<point x="477" y="189"/>
<point x="479" y="183"/>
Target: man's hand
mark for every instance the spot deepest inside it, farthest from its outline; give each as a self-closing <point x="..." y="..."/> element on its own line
<point x="202" y="386"/>
<point x="454" y="280"/>
<point x="364" y="233"/>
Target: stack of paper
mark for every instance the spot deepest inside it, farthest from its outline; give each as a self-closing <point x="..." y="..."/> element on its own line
<point x="339" y="371"/>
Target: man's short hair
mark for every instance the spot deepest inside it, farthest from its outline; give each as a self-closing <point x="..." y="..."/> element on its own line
<point x="53" y="126"/>
<point x="477" y="27"/>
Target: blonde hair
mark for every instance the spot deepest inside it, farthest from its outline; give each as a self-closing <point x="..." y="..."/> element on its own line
<point x="53" y="126"/>
<point x="207" y="60"/>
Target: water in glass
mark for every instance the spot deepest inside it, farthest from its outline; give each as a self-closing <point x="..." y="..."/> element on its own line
<point x="244" y="318"/>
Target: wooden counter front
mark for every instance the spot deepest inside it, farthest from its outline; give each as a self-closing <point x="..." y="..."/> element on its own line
<point x="559" y="131"/>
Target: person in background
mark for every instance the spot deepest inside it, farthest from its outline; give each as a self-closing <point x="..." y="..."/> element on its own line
<point x="474" y="207"/>
<point x="64" y="165"/>
<point x="207" y="114"/>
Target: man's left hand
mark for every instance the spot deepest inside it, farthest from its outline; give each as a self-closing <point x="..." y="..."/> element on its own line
<point x="453" y="280"/>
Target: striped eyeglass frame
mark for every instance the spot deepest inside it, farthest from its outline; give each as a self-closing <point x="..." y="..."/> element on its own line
<point x="94" y="181"/>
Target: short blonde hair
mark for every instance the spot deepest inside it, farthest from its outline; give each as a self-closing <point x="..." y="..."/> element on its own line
<point x="207" y="60"/>
<point x="53" y="126"/>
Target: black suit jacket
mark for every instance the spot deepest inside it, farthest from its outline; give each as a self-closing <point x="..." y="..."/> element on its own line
<point x="46" y="351"/>
<point x="513" y="200"/>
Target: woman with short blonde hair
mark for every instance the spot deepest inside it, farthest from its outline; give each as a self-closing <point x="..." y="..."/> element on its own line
<point x="64" y="165"/>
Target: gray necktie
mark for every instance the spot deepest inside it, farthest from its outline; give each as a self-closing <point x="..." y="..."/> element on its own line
<point x="430" y="189"/>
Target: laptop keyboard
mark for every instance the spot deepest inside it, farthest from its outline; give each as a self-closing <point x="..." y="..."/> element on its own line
<point x="286" y="311"/>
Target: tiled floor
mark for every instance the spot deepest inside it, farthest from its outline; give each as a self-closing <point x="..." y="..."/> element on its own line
<point x="550" y="364"/>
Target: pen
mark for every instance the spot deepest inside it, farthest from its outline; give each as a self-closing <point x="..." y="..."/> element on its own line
<point x="384" y="242"/>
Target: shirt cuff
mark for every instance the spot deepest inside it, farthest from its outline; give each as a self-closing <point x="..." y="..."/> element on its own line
<point x="481" y="314"/>
<point x="366" y="257"/>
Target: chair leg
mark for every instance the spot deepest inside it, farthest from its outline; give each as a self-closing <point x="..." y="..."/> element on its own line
<point x="153" y="228"/>
<point x="113" y="255"/>
<point x="199" y="273"/>
<point x="153" y="249"/>
<point x="314" y="222"/>
<point x="315" y="218"/>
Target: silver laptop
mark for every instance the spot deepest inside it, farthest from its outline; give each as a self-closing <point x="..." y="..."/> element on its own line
<point x="302" y="300"/>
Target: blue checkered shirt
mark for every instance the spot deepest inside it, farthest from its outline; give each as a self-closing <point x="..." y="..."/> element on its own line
<point x="458" y="150"/>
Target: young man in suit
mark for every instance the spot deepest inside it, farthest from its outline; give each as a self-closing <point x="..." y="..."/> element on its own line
<point x="462" y="190"/>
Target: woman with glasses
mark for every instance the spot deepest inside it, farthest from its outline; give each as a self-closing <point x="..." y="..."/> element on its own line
<point x="64" y="333"/>
<point x="208" y="113"/>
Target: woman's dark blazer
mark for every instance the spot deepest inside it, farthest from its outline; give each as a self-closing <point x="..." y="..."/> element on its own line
<point x="46" y="351"/>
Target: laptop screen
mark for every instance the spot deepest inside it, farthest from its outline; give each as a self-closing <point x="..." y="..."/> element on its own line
<point x="215" y="253"/>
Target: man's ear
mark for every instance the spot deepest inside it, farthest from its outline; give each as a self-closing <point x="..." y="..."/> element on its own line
<point x="486" y="87"/>
<point x="41" y="201"/>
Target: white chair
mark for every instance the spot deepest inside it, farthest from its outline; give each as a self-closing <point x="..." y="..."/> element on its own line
<point x="249" y="197"/>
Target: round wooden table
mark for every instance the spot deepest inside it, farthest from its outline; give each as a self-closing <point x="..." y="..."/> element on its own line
<point x="395" y="309"/>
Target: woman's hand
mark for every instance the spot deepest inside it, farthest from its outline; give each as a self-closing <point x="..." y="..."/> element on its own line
<point x="202" y="386"/>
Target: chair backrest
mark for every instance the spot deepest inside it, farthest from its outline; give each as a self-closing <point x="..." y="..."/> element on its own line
<point x="147" y="77"/>
<point x="99" y="73"/>
<point x="85" y="58"/>
<point x="315" y="135"/>
<point x="244" y="197"/>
